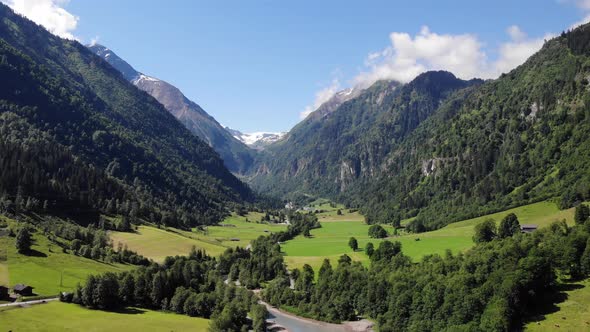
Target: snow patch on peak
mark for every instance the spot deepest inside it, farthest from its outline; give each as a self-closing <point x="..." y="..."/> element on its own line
<point x="143" y="77"/>
<point x="258" y="140"/>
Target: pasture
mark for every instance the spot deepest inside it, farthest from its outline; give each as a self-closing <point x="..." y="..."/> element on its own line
<point x="157" y="243"/>
<point x="47" y="268"/>
<point x="331" y="240"/>
<point x="57" y="316"/>
<point x="573" y="314"/>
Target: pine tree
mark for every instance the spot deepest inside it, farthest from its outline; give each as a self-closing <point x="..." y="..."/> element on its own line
<point x="23" y="240"/>
<point x="353" y="244"/>
<point x="581" y="214"/>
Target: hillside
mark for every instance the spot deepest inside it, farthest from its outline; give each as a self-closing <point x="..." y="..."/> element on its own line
<point x="346" y="141"/>
<point x="444" y="149"/>
<point x="77" y="137"/>
<point x="518" y="139"/>
<point x="236" y="155"/>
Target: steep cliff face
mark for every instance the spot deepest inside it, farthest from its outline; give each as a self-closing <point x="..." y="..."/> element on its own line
<point x="236" y="155"/>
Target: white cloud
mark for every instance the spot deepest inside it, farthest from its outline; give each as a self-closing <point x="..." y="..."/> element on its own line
<point x="409" y="56"/>
<point x="48" y="13"/>
<point x="464" y="55"/>
<point x="516" y="51"/>
<point x="321" y="97"/>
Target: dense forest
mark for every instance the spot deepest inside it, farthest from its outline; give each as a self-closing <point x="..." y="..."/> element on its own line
<point x="76" y="134"/>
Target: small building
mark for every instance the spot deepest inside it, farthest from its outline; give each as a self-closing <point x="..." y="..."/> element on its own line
<point x="528" y="228"/>
<point x="23" y="290"/>
<point x="3" y="292"/>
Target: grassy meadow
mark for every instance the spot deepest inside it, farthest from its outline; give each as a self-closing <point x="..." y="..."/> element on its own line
<point x="157" y="244"/>
<point x="573" y="314"/>
<point x="331" y="240"/>
<point x="57" y="316"/>
<point x="48" y="269"/>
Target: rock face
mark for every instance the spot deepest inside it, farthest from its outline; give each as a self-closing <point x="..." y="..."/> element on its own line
<point x="236" y="155"/>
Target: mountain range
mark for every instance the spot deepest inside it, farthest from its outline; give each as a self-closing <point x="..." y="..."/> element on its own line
<point x="443" y="149"/>
<point x="77" y="136"/>
<point x="438" y="148"/>
<point x="236" y="155"/>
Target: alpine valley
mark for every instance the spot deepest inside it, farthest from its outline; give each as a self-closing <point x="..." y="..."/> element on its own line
<point x="433" y="204"/>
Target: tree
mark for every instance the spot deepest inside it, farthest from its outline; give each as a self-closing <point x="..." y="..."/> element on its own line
<point x="127" y="289"/>
<point x="306" y="232"/>
<point x="509" y="226"/>
<point x="485" y="231"/>
<point x="259" y="314"/>
<point x="377" y="232"/>
<point x="23" y="240"/>
<point x="581" y="214"/>
<point x="353" y="244"/>
<point x="157" y="293"/>
<point x="339" y="212"/>
<point x="370" y="249"/>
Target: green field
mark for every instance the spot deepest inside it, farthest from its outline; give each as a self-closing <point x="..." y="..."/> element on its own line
<point x="573" y="314"/>
<point x="237" y="228"/>
<point x="48" y="269"/>
<point x="157" y="244"/>
<point x="331" y="240"/>
<point x="57" y="316"/>
<point x="331" y="213"/>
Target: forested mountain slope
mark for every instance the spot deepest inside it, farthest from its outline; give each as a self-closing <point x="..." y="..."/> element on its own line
<point x="517" y="139"/>
<point x="236" y="155"/>
<point x="332" y="151"/>
<point x="76" y="133"/>
<point x="444" y="149"/>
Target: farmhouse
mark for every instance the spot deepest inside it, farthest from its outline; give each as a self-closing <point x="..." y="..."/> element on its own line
<point x="3" y="292"/>
<point x="528" y="228"/>
<point x="23" y="290"/>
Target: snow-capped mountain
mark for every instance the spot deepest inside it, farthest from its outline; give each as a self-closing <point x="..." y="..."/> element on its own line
<point x="237" y="156"/>
<point x="257" y="140"/>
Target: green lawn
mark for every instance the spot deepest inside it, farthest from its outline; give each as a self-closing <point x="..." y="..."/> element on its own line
<point x="157" y="244"/>
<point x="57" y="316"/>
<point x="48" y="265"/>
<point x="331" y="240"/>
<point x="573" y="314"/>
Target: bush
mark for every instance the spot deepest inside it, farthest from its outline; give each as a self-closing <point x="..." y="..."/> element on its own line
<point x="377" y="232"/>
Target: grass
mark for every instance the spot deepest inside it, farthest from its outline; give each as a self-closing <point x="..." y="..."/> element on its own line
<point x="157" y="244"/>
<point x="242" y="230"/>
<point x="48" y="266"/>
<point x="57" y="316"/>
<point x="573" y="314"/>
<point x="331" y="240"/>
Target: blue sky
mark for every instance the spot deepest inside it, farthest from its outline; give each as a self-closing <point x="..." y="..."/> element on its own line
<point x="258" y="65"/>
